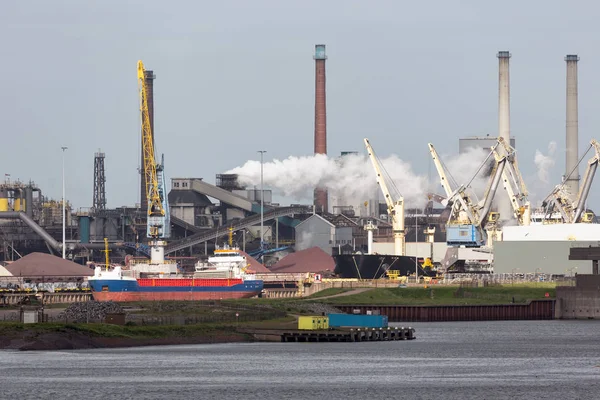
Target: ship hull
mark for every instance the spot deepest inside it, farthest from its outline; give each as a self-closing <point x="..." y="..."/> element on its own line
<point x="165" y="289"/>
<point x="374" y="266"/>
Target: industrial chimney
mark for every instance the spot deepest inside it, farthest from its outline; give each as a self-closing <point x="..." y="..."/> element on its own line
<point x="320" y="196"/>
<point x="504" y="207"/>
<point x="572" y="141"/>
<point x="149" y="81"/>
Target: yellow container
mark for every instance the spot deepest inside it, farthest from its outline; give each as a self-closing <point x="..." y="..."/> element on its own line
<point x="3" y="204"/>
<point x="17" y="204"/>
<point x="313" y="322"/>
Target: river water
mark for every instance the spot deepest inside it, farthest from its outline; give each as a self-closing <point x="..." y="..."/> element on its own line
<point x="462" y="360"/>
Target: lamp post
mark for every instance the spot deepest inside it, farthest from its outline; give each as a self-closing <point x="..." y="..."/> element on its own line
<point x="416" y="248"/>
<point x="64" y="250"/>
<point x="262" y="233"/>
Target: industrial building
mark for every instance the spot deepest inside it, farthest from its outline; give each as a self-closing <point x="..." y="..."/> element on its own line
<point x="200" y="215"/>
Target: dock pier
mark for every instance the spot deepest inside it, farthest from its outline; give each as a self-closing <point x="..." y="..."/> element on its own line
<point x="350" y="335"/>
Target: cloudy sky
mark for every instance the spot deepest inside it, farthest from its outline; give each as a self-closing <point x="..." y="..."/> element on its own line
<point x="234" y="77"/>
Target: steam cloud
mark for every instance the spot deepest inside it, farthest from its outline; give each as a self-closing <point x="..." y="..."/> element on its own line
<point x="351" y="177"/>
<point x="544" y="163"/>
<point x="463" y="168"/>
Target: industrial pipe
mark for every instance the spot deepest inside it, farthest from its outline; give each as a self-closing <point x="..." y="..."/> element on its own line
<point x="49" y="239"/>
<point x="29" y="201"/>
<point x="36" y="228"/>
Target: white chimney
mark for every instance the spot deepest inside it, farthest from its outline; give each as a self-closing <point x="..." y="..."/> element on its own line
<point x="572" y="140"/>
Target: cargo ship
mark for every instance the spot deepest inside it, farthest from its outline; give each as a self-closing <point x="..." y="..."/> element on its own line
<point x="375" y="266"/>
<point x="225" y="275"/>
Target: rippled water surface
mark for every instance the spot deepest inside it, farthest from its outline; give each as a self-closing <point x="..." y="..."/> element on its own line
<point x="482" y="360"/>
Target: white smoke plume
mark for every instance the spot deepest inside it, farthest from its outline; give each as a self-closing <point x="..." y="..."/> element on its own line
<point x="463" y="168"/>
<point x="352" y="178"/>
<point x="544" y="163"/>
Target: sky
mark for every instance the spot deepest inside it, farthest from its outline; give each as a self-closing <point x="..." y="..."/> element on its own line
<point x="235" y="77"/>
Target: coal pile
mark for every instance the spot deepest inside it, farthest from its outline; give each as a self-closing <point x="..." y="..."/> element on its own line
<point x="89" y="311"/>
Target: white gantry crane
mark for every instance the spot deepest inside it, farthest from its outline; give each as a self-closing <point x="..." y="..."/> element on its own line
<point x="559" y="199"/>
<point x="395" y="207"/>
<point x="470" y="224"/>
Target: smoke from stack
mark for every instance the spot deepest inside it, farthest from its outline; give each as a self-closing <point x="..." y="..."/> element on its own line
<point x="320" y="193"/>
<point x="504" y="207"/>
<point x="354" y="179"/>
<point x="149" y="81"/>
<point x="572" y="139"/>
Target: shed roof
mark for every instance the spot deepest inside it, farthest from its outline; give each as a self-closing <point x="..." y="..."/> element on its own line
<point x="313" y="260"/>
<point x="255" y="266"/>
<point x="41" y="264"/>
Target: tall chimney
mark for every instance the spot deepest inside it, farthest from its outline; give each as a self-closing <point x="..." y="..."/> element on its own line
<point x="149" y="81"/>
<point x="320" y="195"/>
<point x="572" y="141"/>
<point x="504" y="207"/>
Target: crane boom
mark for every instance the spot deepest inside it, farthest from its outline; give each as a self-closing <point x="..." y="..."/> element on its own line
<point x="559" y="198"/>
<point x="453" y="195"/>
<point x="156" y="211"/>
<point x="579" y="203"/>
<point x="441" y="172"/>
<point x="395" y="208"/>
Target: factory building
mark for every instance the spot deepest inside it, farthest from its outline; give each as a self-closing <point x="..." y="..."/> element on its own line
<point x="326" y="231"/>
<point x="479" y="142"/>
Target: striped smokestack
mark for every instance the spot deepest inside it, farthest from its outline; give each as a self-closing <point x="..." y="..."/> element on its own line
<point x="149" y="81"/>
<point x="320" y="196"/>
<point x="572" y="141"/>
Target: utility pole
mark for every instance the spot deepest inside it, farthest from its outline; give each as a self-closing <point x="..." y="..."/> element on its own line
<point x="64" y="234"/>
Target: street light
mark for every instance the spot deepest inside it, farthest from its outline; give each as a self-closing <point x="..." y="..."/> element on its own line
<point x="64" y="250"/>
<point x="416" y="248"/>
<point x="262" y="233"/>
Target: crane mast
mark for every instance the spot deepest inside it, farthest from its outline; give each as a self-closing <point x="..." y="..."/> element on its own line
<point x="395" y="208"/>
<point x="157" y="216"/>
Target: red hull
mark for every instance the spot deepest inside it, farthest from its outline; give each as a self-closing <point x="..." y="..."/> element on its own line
<point x="154" y="296"/>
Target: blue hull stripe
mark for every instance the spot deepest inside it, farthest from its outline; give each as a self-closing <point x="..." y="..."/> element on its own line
<point x="132" y="286"/>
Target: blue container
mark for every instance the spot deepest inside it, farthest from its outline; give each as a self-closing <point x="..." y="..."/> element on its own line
<point x="357" y="321"/>
<point x="84" y="229"/>
<point x="463" y="235"/>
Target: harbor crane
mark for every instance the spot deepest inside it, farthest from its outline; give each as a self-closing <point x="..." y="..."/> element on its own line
<point x="470" y="224"/>
<point x="158" y="224"/>
<point x="559" y="199"/>
<point x="395" y="207"/>
<point x="513" y="182"/>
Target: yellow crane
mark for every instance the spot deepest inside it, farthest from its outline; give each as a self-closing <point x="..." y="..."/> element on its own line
<point x="156" y="211"/>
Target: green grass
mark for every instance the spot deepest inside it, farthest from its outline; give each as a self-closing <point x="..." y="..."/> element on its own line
<point x="447" y="295"/>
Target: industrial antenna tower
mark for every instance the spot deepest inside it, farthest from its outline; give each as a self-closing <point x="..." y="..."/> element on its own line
<point x="99" y="202"/>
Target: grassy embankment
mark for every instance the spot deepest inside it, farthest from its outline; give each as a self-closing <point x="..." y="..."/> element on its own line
<point x="448" y="295"/>
<point x="431" y="295"/>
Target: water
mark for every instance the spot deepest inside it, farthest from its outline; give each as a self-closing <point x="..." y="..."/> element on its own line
<point x="480" y="360"/>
